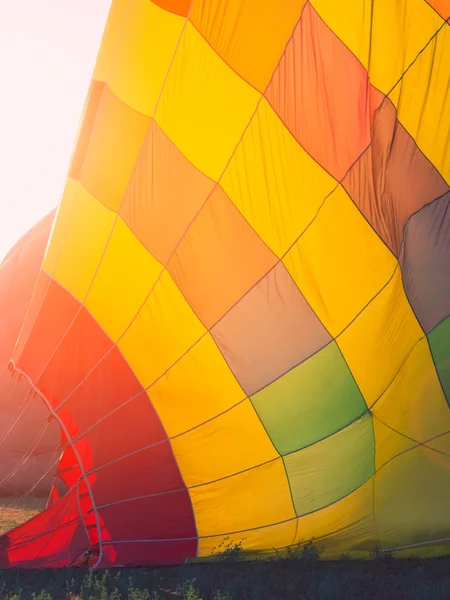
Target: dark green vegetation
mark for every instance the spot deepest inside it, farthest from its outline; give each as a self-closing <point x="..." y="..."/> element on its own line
<point x="298" y="574"/>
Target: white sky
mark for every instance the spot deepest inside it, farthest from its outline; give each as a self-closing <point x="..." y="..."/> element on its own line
<point x="47" y="54"/>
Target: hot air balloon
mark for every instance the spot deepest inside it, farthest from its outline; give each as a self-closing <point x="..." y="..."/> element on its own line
<point x="26" y="457"/>
<point x="241" y="323"/>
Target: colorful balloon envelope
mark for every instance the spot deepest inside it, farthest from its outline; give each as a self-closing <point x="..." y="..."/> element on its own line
<point x="241" y="323"/>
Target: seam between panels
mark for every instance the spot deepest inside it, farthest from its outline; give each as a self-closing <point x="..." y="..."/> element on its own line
<point x="287" y="520"/>
<point x="80" y="463"/>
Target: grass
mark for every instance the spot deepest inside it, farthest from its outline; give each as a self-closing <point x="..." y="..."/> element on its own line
<point x="294" y="574"/>
<point x="15" y="512"/>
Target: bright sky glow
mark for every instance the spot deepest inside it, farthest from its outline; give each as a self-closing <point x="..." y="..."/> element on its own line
<point x="47" y="54"/>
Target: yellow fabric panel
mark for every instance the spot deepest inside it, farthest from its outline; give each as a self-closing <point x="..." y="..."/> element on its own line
<point x="197" y="388"/>
<point x="109" y="39"/>
<point x="205" y="106"/>
<point x="145" y="48"/>
<point x="165" y="328"/>
<point x="346" y="523"/>
<point x="250" y="36"/>
<point x="114" y="145"/>
<point x="274" y="183"/>
<point x="252" y="499"/>
<point x="423" y="102"/>
<point x="400" y="30"/>
<point x="414" y="404"/>
<point x="411" y="499"/>
<point x="60" y="223"/>
<point x="126" y="275"/>
<point x="274" y="536"/>
<point x="91" y="222"/>
<point x="388" y="443"/>
<point x="350" y="21"/>
<point x="377" y="343"/>
<point x="232" y="442"/>
<point x="339" y="263"/>
<point x="387" y="41"/>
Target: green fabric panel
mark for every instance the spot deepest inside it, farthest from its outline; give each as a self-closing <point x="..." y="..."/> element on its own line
<point x="310" y="402"/>
<point x="329" y="470"/>
<point x="439" y="340"/>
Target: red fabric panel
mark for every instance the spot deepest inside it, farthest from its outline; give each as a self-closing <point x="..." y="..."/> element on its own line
<point x="55" y="316"/>
<point x="160" y="517"/>
<point x="118" y="384"/>
<point x="81" y="349"/>
<point x="132" y="427"/>
<point x="322" y="93"/>
<point x="18" y="274"/>
<point x="51" y="539"/>
<point x="86" y="360"/>
<point x="18" y="280"/>
<point x="150" y="471"/>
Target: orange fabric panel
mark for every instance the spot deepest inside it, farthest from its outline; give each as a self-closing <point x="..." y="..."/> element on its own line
<point x="250" y="36"/>
<point x="442" y="7"/>
<point x="165" y="193"/>
<point x="322" y="93"/>
<point x="179" y="7"/>
<point x="90" y="112"/>
<point x="219" y="259"/>
<point x="115" y="141"/>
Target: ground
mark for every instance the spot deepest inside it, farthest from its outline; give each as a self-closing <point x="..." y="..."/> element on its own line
<point x="15" y="512"/>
